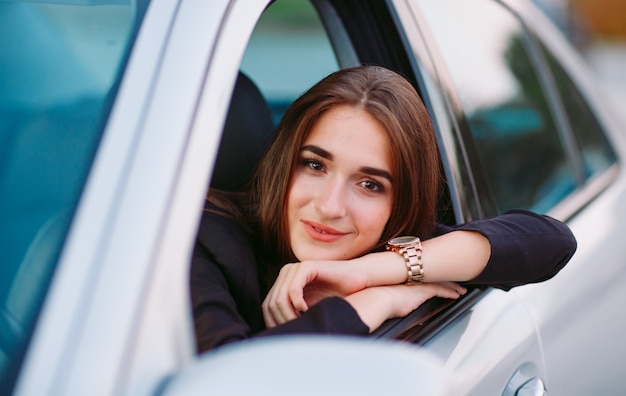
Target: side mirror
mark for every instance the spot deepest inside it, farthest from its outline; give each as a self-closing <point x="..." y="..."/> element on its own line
<point x="315" y="365"/>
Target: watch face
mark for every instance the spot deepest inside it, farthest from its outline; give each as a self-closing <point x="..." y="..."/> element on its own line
<point x="403" y="240"/>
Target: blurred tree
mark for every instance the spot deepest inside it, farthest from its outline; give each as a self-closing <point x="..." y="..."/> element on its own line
<point x="285" y="15"/>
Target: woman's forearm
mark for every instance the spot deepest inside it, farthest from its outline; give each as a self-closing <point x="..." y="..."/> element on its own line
<point x="458" y="256"/>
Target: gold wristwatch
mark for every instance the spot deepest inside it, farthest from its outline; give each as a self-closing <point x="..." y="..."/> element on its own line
<point x="410" y="248"/>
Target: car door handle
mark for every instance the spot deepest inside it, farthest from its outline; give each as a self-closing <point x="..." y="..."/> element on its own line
<point x="525" y="382"/>
<point x="532" y="387"/>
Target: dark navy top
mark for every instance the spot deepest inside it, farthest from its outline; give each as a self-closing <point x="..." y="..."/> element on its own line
<point x="226" y="294"/>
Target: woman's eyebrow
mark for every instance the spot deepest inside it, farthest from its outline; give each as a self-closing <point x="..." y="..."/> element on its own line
<point x="377" y="172"/>
<point x="366" y="169"/>
<point x="317" y="150"/>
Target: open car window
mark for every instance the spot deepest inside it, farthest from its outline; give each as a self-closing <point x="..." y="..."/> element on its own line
<point x="294" y="45"/>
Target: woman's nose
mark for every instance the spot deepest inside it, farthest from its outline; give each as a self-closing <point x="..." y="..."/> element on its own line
<point x="330" y="199"/>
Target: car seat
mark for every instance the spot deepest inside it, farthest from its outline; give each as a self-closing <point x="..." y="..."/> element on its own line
<point x="247" y="132"/>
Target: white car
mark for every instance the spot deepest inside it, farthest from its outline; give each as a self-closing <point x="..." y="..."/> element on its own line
<point x="111" y="119"/>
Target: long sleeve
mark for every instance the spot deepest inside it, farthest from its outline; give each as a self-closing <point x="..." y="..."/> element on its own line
<point x="224" y="284"/>
<point x="226" y="299"/>
<point x="525" y="248"/>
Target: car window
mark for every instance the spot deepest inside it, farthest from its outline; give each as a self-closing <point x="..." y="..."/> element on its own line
<point x="520" y="149"/>
<point x="289" y="52"/>
<point x="597" y="154"/>
<point x="60" y="65"/>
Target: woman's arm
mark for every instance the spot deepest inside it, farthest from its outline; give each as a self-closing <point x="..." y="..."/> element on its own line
<point x="224" y="286"/>
<point x="375" y="305"/>
<point x="516" y="248"/>
<point x="456" y="256"/>
<point x="512" y="249"/>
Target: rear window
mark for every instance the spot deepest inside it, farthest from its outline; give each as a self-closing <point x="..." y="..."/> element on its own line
<point x="518" y="141"/>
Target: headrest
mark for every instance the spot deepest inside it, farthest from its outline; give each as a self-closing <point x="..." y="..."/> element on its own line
<point x="247" y="132"/>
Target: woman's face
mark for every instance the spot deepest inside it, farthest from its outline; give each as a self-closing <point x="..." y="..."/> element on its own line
<point x="341" y="191"/>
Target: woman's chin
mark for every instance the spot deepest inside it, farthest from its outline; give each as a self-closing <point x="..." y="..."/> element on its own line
<point x="318" y="253"/>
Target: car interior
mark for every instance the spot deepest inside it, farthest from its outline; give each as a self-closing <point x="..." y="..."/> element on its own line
<point x="247" y="131"/>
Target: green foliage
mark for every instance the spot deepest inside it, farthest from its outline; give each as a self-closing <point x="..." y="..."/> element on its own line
<point x="289" y="14"/>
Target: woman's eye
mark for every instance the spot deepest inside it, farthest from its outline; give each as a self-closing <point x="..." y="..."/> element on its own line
<point x="372" y="185"/>
<point x="314" y="165"/>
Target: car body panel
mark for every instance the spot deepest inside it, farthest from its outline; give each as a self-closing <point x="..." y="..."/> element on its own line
<point x="480" y="359"/>
<point x="347" y="366"/>
<point x="580" y="303"/>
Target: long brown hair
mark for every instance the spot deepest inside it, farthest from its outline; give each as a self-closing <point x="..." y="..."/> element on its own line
<point x="393" y="101"/>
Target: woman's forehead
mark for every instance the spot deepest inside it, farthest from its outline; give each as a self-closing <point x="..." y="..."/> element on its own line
<point x="350" y="131"/>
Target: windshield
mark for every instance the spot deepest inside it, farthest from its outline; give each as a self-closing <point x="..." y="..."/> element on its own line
<point x="60" y="66"/>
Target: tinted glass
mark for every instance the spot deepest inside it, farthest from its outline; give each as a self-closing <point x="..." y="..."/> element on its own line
<point x="597" y="154"/>
<point x="485" y="51"/>
<point x="60" y="65"/>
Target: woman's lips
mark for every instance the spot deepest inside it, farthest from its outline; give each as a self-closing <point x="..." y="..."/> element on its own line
<point x="322" y="233"/>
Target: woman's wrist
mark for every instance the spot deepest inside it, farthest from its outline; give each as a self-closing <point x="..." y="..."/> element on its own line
<point x="371" y="305"/>
<point x="382" y="268"/>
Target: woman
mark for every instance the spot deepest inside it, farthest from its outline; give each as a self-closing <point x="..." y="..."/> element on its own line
<point x="353" y="165"/>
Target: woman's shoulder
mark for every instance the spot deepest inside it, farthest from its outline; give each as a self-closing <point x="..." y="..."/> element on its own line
<point x="214" y="223"/>
<point x="224" y="238"/>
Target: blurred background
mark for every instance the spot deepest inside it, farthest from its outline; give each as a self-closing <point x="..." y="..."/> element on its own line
<point x="598" y="29"/>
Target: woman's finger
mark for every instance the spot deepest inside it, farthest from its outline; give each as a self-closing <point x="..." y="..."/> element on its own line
<point x="410" y="297"/>
<point x="300" y="278"/>
<point x="281" y="304"/>
<point x="277" y="306"/>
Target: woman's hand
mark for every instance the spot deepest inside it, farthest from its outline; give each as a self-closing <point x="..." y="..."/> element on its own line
<point x="374" y="305"/>
<point x="301" y="285"/>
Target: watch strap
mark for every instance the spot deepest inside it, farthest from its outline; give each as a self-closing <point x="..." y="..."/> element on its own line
<point x="412" y="254"/>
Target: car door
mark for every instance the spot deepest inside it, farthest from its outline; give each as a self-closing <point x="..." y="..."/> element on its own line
<point x="577" y="323"/>
<point x="115" y="318"/>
